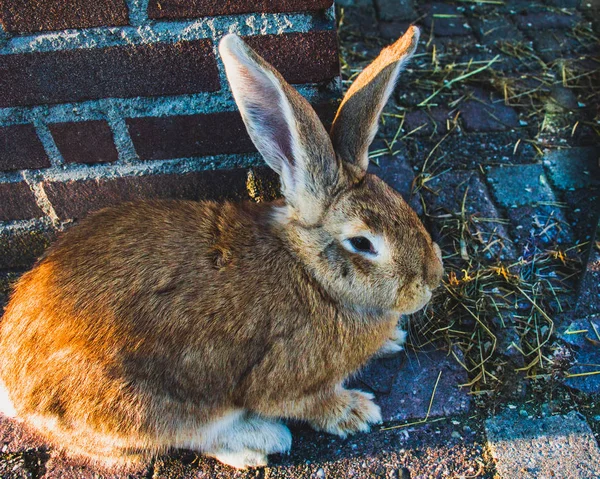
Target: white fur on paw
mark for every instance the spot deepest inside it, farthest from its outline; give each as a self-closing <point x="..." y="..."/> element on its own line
<point x="389" y="349"/>
<point x="242" y="459"/>
<point x="6" y="405"/>
<point x="260" y="434"/>
<point x="399" y="336"/>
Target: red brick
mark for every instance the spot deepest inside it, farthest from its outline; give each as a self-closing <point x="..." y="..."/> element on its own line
<point x="85" y="141"/>
<point x="158" y="138"/>
<point x="73" y="199"/>
<point x="25" y="16"/>
<point x="123" y="71"/>
<point x="185" y="136"/>
<point x="172" y="9"/>
<point x="17" y="202"/>
<point x="300" y="57"/>
<point x="20" y="148"/>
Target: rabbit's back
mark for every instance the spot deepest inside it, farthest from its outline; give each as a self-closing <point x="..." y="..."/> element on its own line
<point x="138" y="307"/>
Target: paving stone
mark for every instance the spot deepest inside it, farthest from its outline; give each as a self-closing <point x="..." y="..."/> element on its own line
<point x="445" y="20"/>
<point x="393" y="30"/>
<point x="396" y="171"/>
<point x="573" y="168"/>
<point x="445" y="195"/>
<point x="412" y="388"/>
<point x="547" y="20"/>
<point x="564" y="97"/>
<point x="582" y="211"/>
<point x="472" y="151"/>
<point x="553" y="44"/>
<point x="539" y="226"/>
<point x="486" y="113"/>
<point x="519" y="185"/>
<point x="390" y="10"/>
<point x="490" y="30"/>
<point x="586" y="342"/>
<point x="457" y="48"/>
<point x="362" y="17"/>
<point x="589" y="291"/>
<point x="427" y="121"/>
<point x="556" y="446"/>
<point x="563" y="3"/>
<point x="379" y="375"/>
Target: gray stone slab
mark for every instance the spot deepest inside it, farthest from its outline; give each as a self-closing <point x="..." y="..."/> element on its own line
<point x="540" y="225"/>
<point x="413" y="386"/>
<point x="395" y="170"/>
<point x="588" y="302"/>
<point x="551" y="447"/>
<point x="573" y="168"/>
<point x="444" y="196"/>
<point x="487" y="116"/>
<point x="519" y="185"/>
<point x="490" y="30"/>
<point x="389" y="10"/>
<point x="584" y="336"/>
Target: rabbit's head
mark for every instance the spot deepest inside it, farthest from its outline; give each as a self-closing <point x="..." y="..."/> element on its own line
<point x="356" y="235"/>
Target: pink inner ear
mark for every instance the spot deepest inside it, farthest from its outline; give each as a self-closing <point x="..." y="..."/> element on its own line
<point x="263" y="109"/>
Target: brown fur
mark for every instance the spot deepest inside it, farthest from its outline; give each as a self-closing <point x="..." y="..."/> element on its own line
<point x="149" y="320"/>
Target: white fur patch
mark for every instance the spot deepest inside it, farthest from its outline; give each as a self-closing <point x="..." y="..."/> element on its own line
<point x="242" y="459"/>
<point x="6" y="406"/>
<point x="240" y="439"/>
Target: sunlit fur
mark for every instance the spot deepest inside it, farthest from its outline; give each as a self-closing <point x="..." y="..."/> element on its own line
<point x="164" y="324"/>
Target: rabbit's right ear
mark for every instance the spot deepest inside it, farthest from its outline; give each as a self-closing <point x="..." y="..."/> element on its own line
<point x="355" y="124"/>
<point x="284" y="128"/>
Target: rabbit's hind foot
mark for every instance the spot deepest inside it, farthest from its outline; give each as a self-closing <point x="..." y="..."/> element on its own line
<point x="244" y="440"/>
<point x="241" y="459"/>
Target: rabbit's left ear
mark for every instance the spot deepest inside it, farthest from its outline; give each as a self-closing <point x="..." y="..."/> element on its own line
<point x="284" y="128"/>
<point x="355" y="124"/>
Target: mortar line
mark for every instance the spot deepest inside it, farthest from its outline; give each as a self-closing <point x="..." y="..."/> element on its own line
<point x="45" y="136"/>
<point x="77" y="171"/>
<point x="212" y="28"/>
<point x="41" y="198"/>
<point x="25" y="225"/>
<point x="138" y="12"/>
<point x="121" y="138"/>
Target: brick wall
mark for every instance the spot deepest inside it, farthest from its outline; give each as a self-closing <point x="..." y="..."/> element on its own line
<point x="103" y="101"/>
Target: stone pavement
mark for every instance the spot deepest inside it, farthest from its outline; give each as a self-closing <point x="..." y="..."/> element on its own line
<point x="557" y="446"/>
<point x="492" y="137"/>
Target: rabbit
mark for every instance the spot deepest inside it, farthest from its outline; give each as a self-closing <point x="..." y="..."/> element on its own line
<point x="165" y="324"/>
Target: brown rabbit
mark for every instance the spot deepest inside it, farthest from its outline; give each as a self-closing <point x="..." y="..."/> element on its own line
<point x="166" y="324"/>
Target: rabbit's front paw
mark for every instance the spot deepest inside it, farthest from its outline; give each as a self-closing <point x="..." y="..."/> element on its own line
<point x="394" y="345"/>
<point x="358" y="415"/>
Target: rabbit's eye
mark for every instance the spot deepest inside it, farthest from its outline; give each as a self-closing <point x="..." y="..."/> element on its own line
<point x="362" y="244"/>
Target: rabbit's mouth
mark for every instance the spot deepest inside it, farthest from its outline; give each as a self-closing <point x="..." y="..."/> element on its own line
<point x="416" y="303"/>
